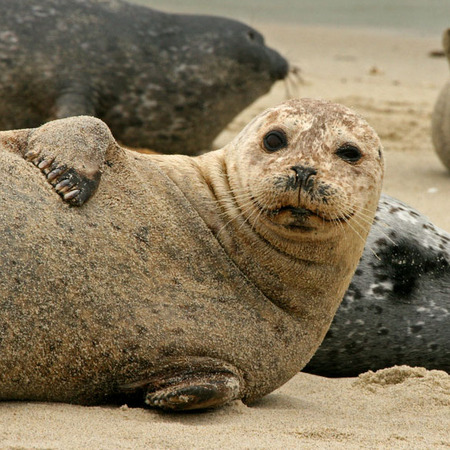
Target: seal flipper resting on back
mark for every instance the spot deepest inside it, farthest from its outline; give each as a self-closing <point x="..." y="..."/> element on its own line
<point x="70" y="153"/>
<point x="187" y="282"/>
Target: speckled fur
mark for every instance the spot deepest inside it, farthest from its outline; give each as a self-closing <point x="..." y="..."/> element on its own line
<point x="167" y="267"/>
<point x="440" y="123"/>
<point x="397" y="308"/>
<point x="156" y="79"/>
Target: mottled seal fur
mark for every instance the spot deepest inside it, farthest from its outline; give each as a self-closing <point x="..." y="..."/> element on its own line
<point x="440" y="122"/>
<point x="397" y="308"/>
<point x="186" y="281"/>
<point x="156" y="79"/>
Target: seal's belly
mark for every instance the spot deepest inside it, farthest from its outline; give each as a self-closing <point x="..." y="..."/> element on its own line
<point x="102" y="295"/>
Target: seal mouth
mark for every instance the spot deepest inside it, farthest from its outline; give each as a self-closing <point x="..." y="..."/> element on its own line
<point x="301" y="219"/>
<point x="297" y="211"/>
<point x="293" y="218"/>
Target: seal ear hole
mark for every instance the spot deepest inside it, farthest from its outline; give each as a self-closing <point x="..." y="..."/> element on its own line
<point x="349" y="153"/>
<point x="251" y="35"/>
<point x="275" y="140"/>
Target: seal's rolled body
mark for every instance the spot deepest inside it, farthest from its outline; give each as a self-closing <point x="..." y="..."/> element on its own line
<point x="105" y="295"/>
<point x="153" y="77"/>
<point x="225" y="268"/>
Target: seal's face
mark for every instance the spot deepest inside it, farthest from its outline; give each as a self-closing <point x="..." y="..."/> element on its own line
<point x="311" y="168"/>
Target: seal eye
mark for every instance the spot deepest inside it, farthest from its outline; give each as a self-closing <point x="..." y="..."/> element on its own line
<point x="251" y="35"/>
<point x="275" y="140"/>
<point x="349" y="153"/>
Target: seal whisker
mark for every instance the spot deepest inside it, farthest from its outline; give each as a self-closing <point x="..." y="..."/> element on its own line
<point x="246" y="215"/>
<point x="368" y="247"/>
<point x="295" y="71"/>
<point x="249" y="216"/>
<point x="369" y="220"/>
<point x="347" y="204"/>
<point x="337" y="223"/>
<point x="292" y="85"/>
<point x="242" y="211"/>
<point x="292" y="82"/>
<point x="353" y="228"/>
<point x="348" y="209"/>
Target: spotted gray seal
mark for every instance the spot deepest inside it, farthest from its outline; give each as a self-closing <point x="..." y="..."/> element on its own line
<point x="440" y="122"/>
<point x="187" y="281"/>
<point x="397" y="308"/>
<point x="155" y="78"/>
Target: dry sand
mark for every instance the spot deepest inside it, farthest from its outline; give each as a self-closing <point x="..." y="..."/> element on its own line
<point x="390" y="80"/>
<point x="403" y="408"/>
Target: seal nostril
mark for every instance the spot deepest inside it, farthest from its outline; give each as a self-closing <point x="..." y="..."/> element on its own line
<point x="303" y="173"/>
<point x="251" y="35"/>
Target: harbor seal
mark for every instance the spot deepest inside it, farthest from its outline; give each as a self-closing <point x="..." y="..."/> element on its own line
<point x="440" y="121"/>
<point x="154" y="78"/>
<point x="187" y="281"/>
<point x="397" y="308"/>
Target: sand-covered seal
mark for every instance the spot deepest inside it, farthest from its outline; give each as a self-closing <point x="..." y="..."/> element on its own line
<point x="397" y="308"/>
<point x="186" y="281"/>
<point x="156" y="79"/>
<point x="440" y="122"/>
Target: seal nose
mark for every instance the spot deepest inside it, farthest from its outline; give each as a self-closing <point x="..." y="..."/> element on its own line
<point x="279" y="65"/>
<point x="281" y="70"/>
<point x="302" y="174"/>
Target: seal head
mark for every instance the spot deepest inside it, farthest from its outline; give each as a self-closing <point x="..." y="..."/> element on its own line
<point x="307" y="171"/>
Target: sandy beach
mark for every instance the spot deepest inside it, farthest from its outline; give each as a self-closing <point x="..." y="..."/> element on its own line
<point x="391" y="80"/>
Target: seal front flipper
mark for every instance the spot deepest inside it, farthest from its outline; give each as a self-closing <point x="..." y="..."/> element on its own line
<point x="71" y="154"/>
<point x="78" y="99"/>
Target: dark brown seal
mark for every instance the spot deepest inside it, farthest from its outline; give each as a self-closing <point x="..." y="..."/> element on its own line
<point x="189" y="282"/>
<point x="168" y="82"/>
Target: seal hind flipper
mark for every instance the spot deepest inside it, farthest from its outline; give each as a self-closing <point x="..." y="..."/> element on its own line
<point x="71" y="153"/>
<point x="202" y="391"/>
